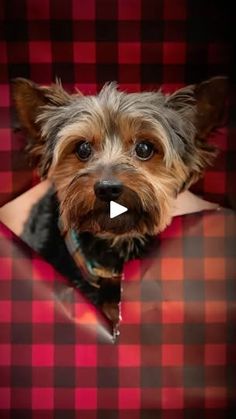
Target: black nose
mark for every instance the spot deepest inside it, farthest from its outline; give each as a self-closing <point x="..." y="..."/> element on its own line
<point x="107" y="190"/>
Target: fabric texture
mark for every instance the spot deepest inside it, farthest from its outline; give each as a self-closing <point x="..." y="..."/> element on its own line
<point x="175" y="357"/>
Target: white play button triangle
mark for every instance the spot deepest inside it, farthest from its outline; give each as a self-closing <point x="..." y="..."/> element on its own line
<point x="116" y="209"/>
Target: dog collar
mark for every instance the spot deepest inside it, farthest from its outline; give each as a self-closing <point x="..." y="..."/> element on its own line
<point x="90" y="269"/>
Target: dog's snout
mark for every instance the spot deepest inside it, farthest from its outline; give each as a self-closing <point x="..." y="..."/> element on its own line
<point x="107" y="190"/>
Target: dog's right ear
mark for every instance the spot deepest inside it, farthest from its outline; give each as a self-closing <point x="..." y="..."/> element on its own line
<point x="29" y="99"/>
<point x="203" y="103"/>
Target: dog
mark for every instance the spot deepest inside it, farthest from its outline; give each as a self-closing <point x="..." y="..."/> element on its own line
<point x="139" y="150"/>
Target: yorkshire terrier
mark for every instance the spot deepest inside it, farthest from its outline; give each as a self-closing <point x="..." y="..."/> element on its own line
<point x="137" y="149"/>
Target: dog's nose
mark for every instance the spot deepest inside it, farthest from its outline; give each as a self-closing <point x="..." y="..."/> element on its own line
<point x="107" y="190"/>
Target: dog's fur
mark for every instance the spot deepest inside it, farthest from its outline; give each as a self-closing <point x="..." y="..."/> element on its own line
<point x="113" y="122"/>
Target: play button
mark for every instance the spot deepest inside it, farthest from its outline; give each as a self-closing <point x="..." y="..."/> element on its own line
<point x="116" y="209"/>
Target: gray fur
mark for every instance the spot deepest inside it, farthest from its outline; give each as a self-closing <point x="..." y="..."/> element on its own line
<point x="153" y="109"/>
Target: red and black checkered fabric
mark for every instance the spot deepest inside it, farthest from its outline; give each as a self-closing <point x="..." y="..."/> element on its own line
<point x="175" y="357"/>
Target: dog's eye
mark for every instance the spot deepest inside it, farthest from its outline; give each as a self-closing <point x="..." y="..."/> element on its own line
<point x="144" y="150"/>
<point x="83" y="150"/>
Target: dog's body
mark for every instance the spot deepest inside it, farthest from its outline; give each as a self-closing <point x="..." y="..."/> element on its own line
<point x="139" y="150"/>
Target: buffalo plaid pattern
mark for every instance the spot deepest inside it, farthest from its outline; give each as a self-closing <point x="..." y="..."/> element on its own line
<point x="175" y="357"/>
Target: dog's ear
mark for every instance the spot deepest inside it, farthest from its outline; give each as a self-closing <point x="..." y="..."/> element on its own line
<point x="204" y="106"/>
<point x="211" y="98"/>
<point x="203" y="103"/>
<point x="29" y="99"/>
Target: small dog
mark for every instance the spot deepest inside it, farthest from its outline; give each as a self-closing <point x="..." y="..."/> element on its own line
<point x="137" y="149"/>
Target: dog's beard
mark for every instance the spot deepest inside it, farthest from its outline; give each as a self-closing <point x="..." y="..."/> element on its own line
<point x="98" y="221"/>
<point x="84" y="212"/>
<point x="135" y="220"/>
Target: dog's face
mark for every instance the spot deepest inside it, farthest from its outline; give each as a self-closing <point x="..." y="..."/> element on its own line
<point x="139" y="150"/>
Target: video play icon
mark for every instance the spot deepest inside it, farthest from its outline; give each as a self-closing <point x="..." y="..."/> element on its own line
<point x="116" y="209"/>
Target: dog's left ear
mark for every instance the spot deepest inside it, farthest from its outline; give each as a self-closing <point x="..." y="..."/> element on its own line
<point x="204" y="103"/>
<point x="204" y="106"/>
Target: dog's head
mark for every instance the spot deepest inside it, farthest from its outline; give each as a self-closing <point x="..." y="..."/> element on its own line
<point x="138" y="149"/>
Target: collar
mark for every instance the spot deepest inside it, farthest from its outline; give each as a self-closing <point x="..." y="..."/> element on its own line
<point x="90" y="269"/>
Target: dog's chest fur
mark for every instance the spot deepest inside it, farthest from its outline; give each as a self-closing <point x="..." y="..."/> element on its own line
<point x="42" y="233"/>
